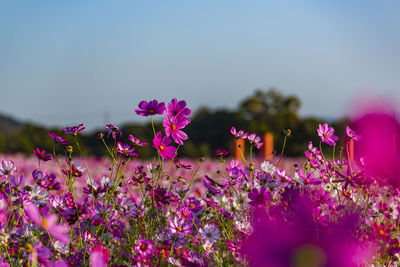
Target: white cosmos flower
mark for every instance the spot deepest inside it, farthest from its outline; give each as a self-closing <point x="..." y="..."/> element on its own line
<point x="268" y="167"/>
<point x="210" y="233"/>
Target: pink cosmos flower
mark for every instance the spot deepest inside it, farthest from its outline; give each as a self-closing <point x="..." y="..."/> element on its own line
<point x="58" y="139"/>
<point x="126" y="149"/>
<point x="307" y="178"/>
<point x="379" y="146"/>
<point x="99" y="256"/>
<point x="113" y="130"/>
<point x="145" y="248"/>
<point x="150" y="108"/>
<point x="161" y="144"/>
<point x="74" y="129"/>
<point x="253" y="138"/>
<point x="177" y="109"/>
<point x="326" y="134"/>
<point x="49" y="223"/>
<point x="352" y="134"/>
<point x="259" y="197"/>
<point x="239" y="134"/>
<point x="172" y="128"/>
<point x="136" y="141"/>
<point x="180" y="225"/>
<point x="41" y="154"/>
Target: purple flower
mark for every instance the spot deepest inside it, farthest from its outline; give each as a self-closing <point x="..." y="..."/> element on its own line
<point x="253" y="138"/>
<point x="145" y="248"/>
<point x="349" y="178"/>
<point x="352" y="134"/>
<point x="48" y="223"/>
<point x="293" y="240"/>
<point x="150" y="108"/>
<point x="307" y="178"/>
<point x="326" y="134"/>
<point x="220" y="153"/>
<point x="113" y="130"/>
<point x="136" y="141"/>
<point x="126" y="149"/>
<point x="180" y="225"/>
<point x="238" y="134"/>
<point x="177" y="109"/>
<point x="172" y="128"/>
<point x="58" y="139"/>
<point x="193" y="204"/>
<point x="74" y="129"/>
<point x="259" y="197"/>
<point x="161" y="144"/>
<point x="41" y="154"/>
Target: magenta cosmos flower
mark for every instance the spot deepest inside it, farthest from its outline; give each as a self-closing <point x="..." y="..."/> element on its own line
<point x="161" y="144"/>
<point x="49" y="223"/>
<point x="126" y="149"/>
<point x="259" y="197"/>
<point x="58" y="139"/>
<point x="145" y="248"/>
<point x="177" y="109"/>
<point x="41" y="154"/>
<point x="150" y="108"/>
<point x="74" y="129"/>
<point x="352" y="134"/>
<point x="173" y="126"/>
<point x="326" y="134"/>
<point x="180" y="225"/>
<point x="136" y="141"/>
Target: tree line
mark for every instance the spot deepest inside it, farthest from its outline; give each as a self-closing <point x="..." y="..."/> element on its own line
<point x="263" y="111"/>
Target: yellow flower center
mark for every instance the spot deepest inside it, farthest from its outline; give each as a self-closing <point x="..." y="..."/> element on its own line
<point x="45" y="224"/>
<point x="162" y="148"/>
<point x="173" y="127"/>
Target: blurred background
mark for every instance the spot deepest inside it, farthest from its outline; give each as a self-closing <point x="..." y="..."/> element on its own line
<point x="258" y="65"/>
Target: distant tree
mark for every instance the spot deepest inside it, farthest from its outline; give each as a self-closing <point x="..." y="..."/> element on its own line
<point x="270" y="111"/>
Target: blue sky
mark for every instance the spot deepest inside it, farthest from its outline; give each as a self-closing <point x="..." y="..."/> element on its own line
<point x="67" y="62"/>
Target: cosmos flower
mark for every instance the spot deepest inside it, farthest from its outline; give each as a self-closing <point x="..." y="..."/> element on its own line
<point x="352" y="134"/>
<point x="41" y="154"/>
<point x="259" y="197"/>
<point x="145" y="248"/>
<point x="180" y="225"/>
<point x="126" y="149"/>
<point x="161" y="144"/>
<point x="74" y="129"/>
<point x="58" y="139"/>
<point x="177" y="109"/>
<point x="173" y="128"/>
<point x="136" y="141"/>
<point x="48" y="223"/>
<point x="239" y="134"/>
<point x="326" y="134"/>
<point x="7" y="168"/>
<point x="210" y="233"/>
<point x="150" y="108"/>
<point x="113" y="130"/>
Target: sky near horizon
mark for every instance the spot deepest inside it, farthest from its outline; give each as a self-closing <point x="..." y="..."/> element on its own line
<point x="68" y="62"/>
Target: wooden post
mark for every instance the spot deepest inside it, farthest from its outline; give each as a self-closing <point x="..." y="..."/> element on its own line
<point x="239" y="149"/>
<point x="350" y="150"/>
<point x="268" y="146"/>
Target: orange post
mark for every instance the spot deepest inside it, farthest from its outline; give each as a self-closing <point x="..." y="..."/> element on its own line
<point x="268" y="146"/>
<point x="350" y="150"/>
<point x="239" y="149"/>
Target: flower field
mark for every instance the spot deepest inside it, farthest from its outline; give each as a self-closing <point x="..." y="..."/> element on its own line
<point x="327" y="209"/>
